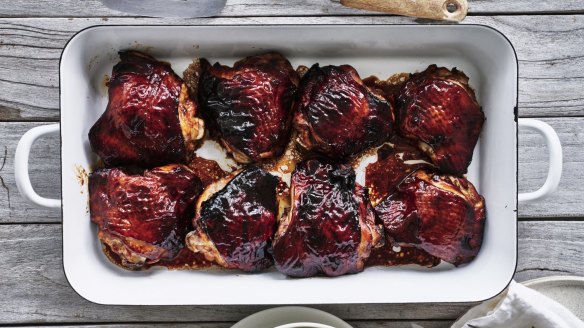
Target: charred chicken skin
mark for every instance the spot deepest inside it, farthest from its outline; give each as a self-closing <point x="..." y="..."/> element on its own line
<point x="396" y="160"/>
<point x="330" y="228"/>
<point x="249" y="106"/>
<point x="150" y="118"/>
<point x="438" y="109"/>
<point x="337" y="115"/>
<point x="440" y="214"/>
<point x="236" y="219"/>
<point x="143" y="218"/>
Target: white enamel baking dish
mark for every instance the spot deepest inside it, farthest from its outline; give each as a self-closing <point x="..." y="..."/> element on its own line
<point x="481" y="52"/>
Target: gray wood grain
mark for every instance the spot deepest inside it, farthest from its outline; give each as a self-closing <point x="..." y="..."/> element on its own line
<point x="355" y="324"/>
<point x="34" y="289"/>
<point x="93" y="8"/>
<point x="549" y="248"/>
<point x="44" y="168"/>
<point x="549" y="49"/>
<point x="567" y="201"/>
<point x="402" y="324"/>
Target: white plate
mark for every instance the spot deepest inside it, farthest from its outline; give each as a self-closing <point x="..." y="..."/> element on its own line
<point x="288" y="314"/>
<point x="481" y="52"/>
<point x="566" y="290"/>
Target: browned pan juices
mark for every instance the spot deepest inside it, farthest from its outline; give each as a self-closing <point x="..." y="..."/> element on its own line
<point x="285" y="163"/>
<point x="388" y="88"/>
<point x="187" y="260"/>
<point x="207" y="170"/>
<point x="389" y="256"/>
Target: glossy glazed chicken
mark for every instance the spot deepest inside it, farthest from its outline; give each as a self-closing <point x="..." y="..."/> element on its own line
<point x="150" y="119"/>
<point x="330" y="228"/>
<point x="440" y="214"/>
<point x="249" y="106"/>
<point x="143" y="218"/>
<point x="337" y="115"/>
<point x="396" y="159"/>
<point x="438" y="109"/>
<point x="236" y="219"/>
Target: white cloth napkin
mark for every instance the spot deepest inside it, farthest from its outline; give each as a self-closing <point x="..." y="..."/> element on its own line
<point x="519" y="307"/>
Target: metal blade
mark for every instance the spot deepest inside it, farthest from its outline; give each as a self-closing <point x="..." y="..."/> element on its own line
<point x="168" y="8"/>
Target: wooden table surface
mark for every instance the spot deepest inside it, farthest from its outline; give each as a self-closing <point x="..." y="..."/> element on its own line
<point x="548" y="37"/>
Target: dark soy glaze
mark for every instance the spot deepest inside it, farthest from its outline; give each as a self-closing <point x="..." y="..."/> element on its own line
<point x="395" y="161"/>
<point x="324" y="232"/>
<point x="337" y="115"/>
<point x="149" y="213"/>
<point x="389" y="88"/>
<point x="438" y="108"/>
<point x="240" y="219"/>
<point x="442" y="215"/>
<point x="249" y="105"/>
<point x="141" y="123"/>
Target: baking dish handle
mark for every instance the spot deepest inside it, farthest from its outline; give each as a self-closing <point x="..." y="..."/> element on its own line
<point x="21" y="166"/>
<point x="555" y="158"/>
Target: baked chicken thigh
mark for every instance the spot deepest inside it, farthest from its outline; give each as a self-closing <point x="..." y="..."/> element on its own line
<point x="337" y="115"/>
<point x="143" y="218"/>
<point x="150" y="119"/>
<point x="236" y="219"/>
<point x="440" y="214"/>
<point x="396" y="160"/>
<point x="249" y="106"/>
<point x="330" y="227"/>
<point x="438" y="108"/>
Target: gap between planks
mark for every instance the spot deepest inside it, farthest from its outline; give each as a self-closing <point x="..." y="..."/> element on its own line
<point x="35" y="290"/>
<point x="239" y="8"/>
<point x="226" y="324"/>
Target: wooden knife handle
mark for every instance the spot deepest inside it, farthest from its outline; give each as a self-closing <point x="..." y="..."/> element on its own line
<point x="451" y="10"/>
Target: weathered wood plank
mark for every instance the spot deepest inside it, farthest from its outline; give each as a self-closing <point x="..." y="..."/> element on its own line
<point x="549" y="49"/>
<point x="402" y="324"/>
<point x="549" y="248"/>
<point x="35" y="291"/>
<point x="162" y="325"/>
<point x="94" y="8"/>
<point x="44" y="171"/>
<point x="355" y="324"/>
<point x="568" y="201"/>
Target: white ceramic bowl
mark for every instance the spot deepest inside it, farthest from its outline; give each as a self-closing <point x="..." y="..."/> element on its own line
<point x="291" y="317"/>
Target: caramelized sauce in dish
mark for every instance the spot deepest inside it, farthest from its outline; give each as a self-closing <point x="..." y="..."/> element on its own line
<point x="207" y="170"/>
<point x="185" y="260"/>
<point x="389" y="255"/>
